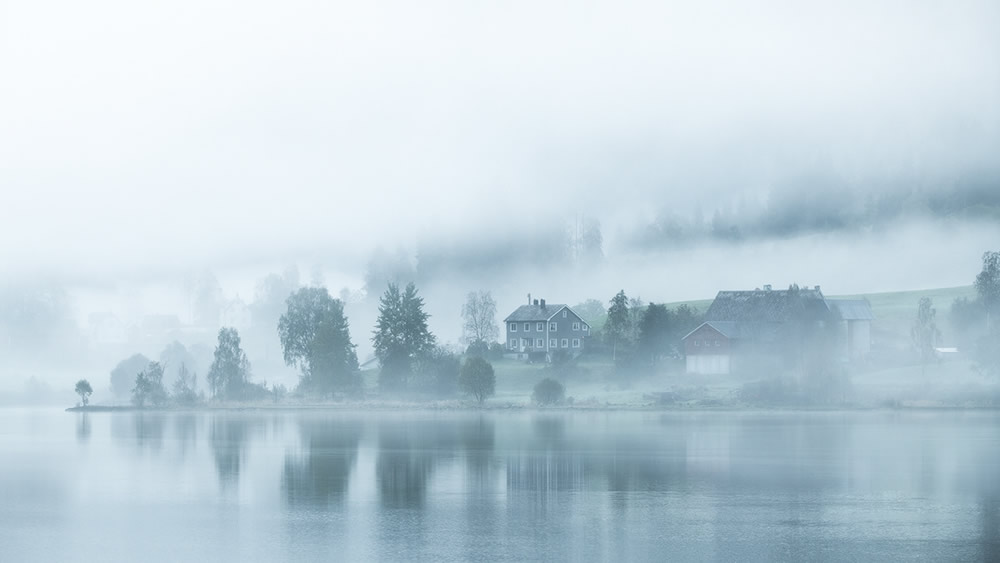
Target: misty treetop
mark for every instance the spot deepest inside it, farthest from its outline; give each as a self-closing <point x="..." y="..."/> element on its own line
<point x="123" y="375"/>
<point x="84" y="390"/>
<point x="401" y="334"/>
<point x="149" y="386"/>
<point x="315" y="337"/>
<point x="229" y="375"/>
<point x="479" y="313"/>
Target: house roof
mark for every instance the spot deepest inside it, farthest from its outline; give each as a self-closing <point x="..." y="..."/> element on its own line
<point x="733" y="330"/>
<point x="529" y="313"/>
<point x="852" y="309"/>
<point x="767" y="305"/>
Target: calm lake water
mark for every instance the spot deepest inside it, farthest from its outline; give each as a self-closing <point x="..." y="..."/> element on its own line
<point x="626" y="486"/>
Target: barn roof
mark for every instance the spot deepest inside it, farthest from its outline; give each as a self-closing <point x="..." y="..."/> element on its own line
<point x="852" y="309"/>
<point x="529" y="313"/>
<point x="767" y="305"/>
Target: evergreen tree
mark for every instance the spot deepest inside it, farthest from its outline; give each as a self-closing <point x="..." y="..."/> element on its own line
<point x="925" y="333"/>
<point x="401" y="335"/>
<point x="619" y="323"/>
<point x="655" y="332"/>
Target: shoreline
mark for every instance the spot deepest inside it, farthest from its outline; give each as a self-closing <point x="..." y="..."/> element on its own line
<point x="419" y="407"/>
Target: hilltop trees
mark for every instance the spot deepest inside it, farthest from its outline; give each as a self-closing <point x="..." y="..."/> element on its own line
<point x="401" y="335"/>
<point x="84" y="390"/>
<point x="230" y="371"/>
<point x="315" y="337"/>
<point x="479" y="314"/>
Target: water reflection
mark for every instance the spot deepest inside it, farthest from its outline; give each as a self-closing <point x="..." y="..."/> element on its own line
<point x="320" y="475"/>
<point x="228" y="437"/>
<point x="83" y="427"/>
<point x="633" y="486"/>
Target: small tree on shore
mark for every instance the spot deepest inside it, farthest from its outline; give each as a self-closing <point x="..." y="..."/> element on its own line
<point x="477" y="379"/>
<point x="84" y="390"/>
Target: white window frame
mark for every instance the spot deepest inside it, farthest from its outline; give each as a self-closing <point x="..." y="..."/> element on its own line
<point x="513" y="327"/>
<point x="576" y="342"/>
<point x="540" y="326"/>
<point x="584" y="327"/>
<point x="527" y="327"/>
<point x="565" y="343"/>
<point x="553" y="326"/>
<point x="513" y="344"/>
<point x="524" y="343"/>
<point x="576" y="326"/>
<point x="718" y="343"/>
<point x="553" y="343"/>
<point x="539" y="343"/>
<point x="565" y="313"/>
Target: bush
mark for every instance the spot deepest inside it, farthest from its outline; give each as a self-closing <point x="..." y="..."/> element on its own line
<point x="548" y="392"/>
<point x="477" y="379"/>
<point x="497" y="351"/>
<point x="478" y="349"/>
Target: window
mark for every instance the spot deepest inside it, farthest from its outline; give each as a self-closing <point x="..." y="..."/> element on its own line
<point x="513" y="327"/>
<point x="553" y="326"/>
<point x="539" y="343"/>
<point x="576" y="326"/>
<point x="539" y="327"/>
<point x="585" y="328"/>
<point x="527" y="327"/>
<point x="718" y="343"/>
<point x="697" y="342"/>
<point x="553" y="343"/>
<point x="564" y="313"/>
<point x="565" y="343"/>
<point x="513" y="344"/>
<point x="576" y="342"/>
<point x="524" y="342"/>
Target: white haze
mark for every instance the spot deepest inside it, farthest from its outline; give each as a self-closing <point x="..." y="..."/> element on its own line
<point x="140" y="142"/>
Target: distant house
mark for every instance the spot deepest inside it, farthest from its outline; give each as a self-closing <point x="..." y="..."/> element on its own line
<point x="771" y="330"/>
<point x="539" y="331"/>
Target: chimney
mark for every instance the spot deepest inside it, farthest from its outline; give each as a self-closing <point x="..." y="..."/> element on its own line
<point x="543" y="303"/>
<point x="816" y="288"/>
<point x="536" y="302"/>
<point x="767" y="287"/>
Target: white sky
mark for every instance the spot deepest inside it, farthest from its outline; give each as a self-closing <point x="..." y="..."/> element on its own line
<point x="143" y="138"/>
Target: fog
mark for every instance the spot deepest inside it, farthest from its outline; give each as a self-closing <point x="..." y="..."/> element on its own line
<point x="710" y="145"/>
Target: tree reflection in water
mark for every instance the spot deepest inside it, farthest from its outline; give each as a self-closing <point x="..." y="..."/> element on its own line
<point x="321" y="474"/>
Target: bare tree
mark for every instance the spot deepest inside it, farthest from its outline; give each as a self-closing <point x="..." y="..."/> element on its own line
<point x="479" y="313"/>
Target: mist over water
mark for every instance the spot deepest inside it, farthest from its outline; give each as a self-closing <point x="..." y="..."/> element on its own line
<point x="262" y="486"/>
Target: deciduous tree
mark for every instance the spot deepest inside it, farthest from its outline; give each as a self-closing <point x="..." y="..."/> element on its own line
<point x="230" y="370"/>
<point x="315" y="337"/>
<point x="479" y="314"/>
<point x="83" y="389"/>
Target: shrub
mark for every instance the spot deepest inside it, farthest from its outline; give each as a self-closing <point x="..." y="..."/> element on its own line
<point x="477" y="379"/>
<point x="548" y="392"/>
